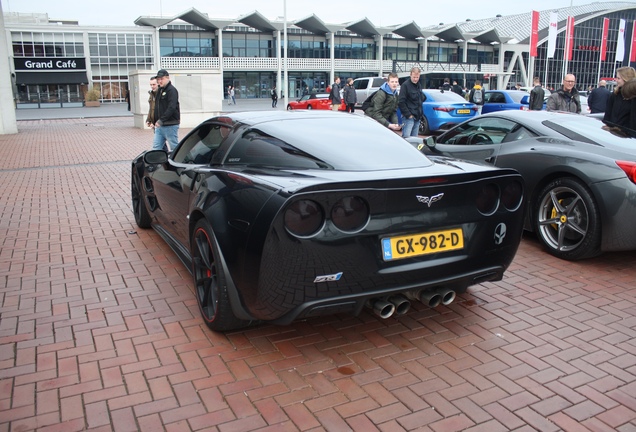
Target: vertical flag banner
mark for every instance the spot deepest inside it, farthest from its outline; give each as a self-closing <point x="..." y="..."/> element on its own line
<point x="534" y="33"/>
<point x="569" y="39"/>
<point x="552" y="33"/>
<point x="604" y="39"/>
<point x="632" y="49"/>
<point x="620" y="43"/>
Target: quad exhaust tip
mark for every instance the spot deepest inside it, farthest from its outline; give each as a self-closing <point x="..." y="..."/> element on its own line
<point x="400" y="304"/>
<point x="382" y="308"/>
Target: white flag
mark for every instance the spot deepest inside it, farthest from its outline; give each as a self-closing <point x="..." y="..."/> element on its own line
<point x="552" y="33"/>
<point x="620" y="43"/>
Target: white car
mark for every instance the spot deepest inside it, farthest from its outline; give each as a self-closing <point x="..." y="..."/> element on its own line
<point x="366" y="86"/>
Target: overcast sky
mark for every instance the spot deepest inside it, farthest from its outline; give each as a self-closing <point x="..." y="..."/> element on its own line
<point x="379" y="12"/>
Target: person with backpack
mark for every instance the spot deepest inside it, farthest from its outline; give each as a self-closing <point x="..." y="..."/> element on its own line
<point x="476" y="96"/>
<point x="384" y="103"/>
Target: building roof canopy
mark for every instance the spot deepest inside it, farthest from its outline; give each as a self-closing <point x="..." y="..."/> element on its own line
<point x="411" y="31"/>
<point x="364" y="27"/>
<point x="315" y="25"/>
<point x="259" y="22"/>
<point x="191" y="16"/>
<point x="508" y="29"/>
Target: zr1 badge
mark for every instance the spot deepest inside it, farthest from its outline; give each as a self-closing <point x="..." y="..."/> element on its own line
<point x="328" y="278"/>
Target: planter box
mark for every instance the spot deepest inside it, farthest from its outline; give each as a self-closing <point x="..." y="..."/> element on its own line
<point x="91" y="103"/>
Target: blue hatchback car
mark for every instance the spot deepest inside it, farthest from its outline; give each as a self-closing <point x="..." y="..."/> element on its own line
<point x="443" y="110"/>
<point x="502" y="100"/>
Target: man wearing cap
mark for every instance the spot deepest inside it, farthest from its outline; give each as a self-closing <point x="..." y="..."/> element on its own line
<point x="167" y="113"/>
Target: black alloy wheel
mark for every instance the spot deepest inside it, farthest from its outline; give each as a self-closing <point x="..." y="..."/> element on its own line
<point x="142" y="216"/>
<point x="210" y="282"/>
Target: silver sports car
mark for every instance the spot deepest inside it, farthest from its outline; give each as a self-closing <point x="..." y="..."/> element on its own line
<point x="580" y="175"/>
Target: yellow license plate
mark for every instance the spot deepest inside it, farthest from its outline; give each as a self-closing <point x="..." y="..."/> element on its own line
<point x="422" y="244"/>
<point x="463" y="111"/>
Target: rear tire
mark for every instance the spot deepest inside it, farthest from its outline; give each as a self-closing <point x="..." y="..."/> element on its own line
<point x="567" y="220"/>
<point x="289" y="108"/>
<point x="424" y="127"/>
<point x="309" y="107"/>
<point x="210" y="281"/>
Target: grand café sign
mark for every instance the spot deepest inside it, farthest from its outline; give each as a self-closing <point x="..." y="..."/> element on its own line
<point x="49" y="63"/>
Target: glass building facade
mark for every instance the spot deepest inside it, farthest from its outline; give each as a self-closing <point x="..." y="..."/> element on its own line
<point x="112" y="56"/>
<point x="40" y="47"/>
<point x="104" y="56"/>
<point x="585" y="63"/>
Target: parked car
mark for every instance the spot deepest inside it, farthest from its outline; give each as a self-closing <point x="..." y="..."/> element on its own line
<point x="444" y="109"/>
<point x="584" y="107"/>
<point x="365" y="87"/>
<point x="317" y="101"/>
<point x="580" y="178"/>
<point x="500" y="100"/>
<point x="287" y="215"/>
<point x="546" y="91"/>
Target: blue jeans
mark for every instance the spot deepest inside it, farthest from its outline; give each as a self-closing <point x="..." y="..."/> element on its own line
<point x="411" y="127"/>
<point x="163" y="134"/>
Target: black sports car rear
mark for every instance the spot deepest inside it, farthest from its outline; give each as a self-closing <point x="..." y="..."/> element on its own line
<point x="287" y="215"/>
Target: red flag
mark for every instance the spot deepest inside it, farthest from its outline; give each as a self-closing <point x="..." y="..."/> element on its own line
<point x="632" y="50"/>
<point x="604" y="39"/>
<point x="534" y="34"/>
<point x="569" y="38"/>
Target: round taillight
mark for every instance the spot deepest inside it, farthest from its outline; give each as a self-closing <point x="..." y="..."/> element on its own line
<point x="304" y="218"/>
<point x="512" y="195"/>
<point x="350" y="214"/>
<point x="488" y="199"/>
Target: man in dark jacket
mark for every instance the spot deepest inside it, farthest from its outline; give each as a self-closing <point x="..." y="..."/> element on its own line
<point x="457" y="89"/>
<point x="152" y="97"/>
<point x="410" y="103"/>
<point x="597" y="99"/>
<point x="334" y="95"/>
<point x="537" y="94"/>
<point x="350" y="96"/>
<point x="384" y="103"/>
<point x="167" y="113"/>
<point x="447" y="85"/>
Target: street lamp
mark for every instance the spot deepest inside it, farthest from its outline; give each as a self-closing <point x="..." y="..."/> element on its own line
<point x="286" y="79"/>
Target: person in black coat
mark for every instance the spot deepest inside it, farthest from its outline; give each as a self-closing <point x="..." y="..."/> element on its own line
<point x="619" y="109"/>
<point x="597" y="99"/>
<point x="537" y="94"/>
<point x="167" y="113"/>
<point x="410" y="103"/>
<point x="457" y="89"/>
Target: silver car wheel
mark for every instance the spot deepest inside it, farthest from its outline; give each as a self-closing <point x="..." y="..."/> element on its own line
<point x="567" y="220"/>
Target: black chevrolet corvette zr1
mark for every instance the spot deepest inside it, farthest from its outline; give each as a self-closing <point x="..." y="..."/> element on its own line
<point x="283" y="216"/>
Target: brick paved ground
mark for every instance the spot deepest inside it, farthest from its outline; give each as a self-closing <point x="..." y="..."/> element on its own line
<point x="99" y="328"/>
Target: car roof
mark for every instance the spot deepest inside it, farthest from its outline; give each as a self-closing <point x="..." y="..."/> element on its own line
<point x="440" y="95"/>
<point x="508" y="91"/>
<point x="575" y="126"/>
<point x="369" y="145"/>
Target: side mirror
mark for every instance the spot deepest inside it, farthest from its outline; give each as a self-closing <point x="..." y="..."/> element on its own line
<point x="430" y="142"/>
<point x="155" y="157"/>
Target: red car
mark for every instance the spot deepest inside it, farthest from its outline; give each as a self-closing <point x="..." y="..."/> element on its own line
<point x="319" y="101"/>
